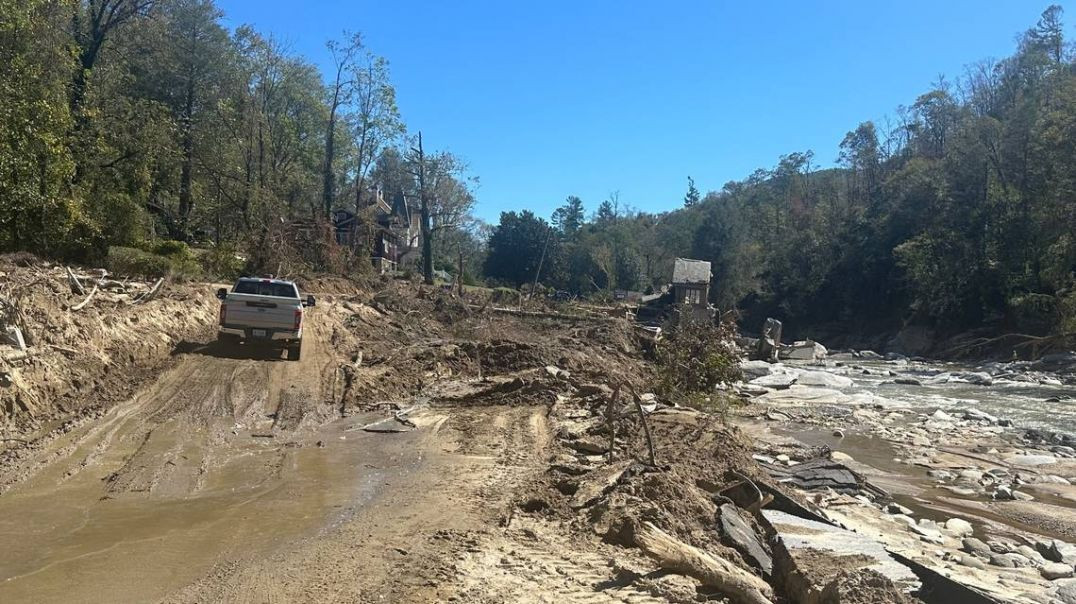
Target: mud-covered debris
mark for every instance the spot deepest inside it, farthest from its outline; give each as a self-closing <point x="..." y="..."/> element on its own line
<point x="588" y="446"/>
<point x="808" y="555"/>
<point x="822" y="473"/>
<point x="863" y="586"/>
<point x="597" y="483"/>
<point x="740" y="535"/>
<point x="390" y="425"/>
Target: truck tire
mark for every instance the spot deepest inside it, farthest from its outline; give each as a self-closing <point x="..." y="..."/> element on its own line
<point x="295" y="351"/>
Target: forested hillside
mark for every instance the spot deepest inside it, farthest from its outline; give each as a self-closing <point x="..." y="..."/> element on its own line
<point x="145" y="135"/>
<point x="958" y="211"/>
<point x="129" y="123"/>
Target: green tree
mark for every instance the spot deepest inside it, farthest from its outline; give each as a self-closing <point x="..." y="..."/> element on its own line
<point x="517" y="245"/>
<point x="569" y="218"/>
<point x="692" y="197"/>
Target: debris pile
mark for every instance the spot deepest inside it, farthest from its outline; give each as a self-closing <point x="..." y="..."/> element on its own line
<point x="65" y="333"/>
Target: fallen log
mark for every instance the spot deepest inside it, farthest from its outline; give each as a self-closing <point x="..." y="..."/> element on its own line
<point x="82" y="304"/>
<point x="732" y="581"/>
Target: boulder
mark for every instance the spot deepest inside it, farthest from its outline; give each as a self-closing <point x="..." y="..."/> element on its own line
<point x="770" y="341"/>
<point x="941" y="416"/>
<point x="929" y="531"/>
<point x="775" y="381"/>
<point x="1012" y="560"/>
<point x="977" y="415"/>
<point x="975" y="546"/>
<point x="756" y="369"/>
<point x="1003" y="494"/>
<point x="979" y="378"/>
<point x="800" y="543"/>
<point x="805" y="350"/>
<point x="907" y="381"/>
<point x="1052" y="571"/>
<point x="1032" y="460"/>
<point x="1066" y="593"/>
<point x="959" y="527"/>
<point x="971" y="561"/>
<point x="896" y="508"/>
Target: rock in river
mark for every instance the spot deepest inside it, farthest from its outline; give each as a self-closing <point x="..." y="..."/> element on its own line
<point x="959" y="527"/>
<point x="806" y="350"/>
<point x="823" y="379"/>
<point x="775" y="381"/>
<point x="1056" y="570"/>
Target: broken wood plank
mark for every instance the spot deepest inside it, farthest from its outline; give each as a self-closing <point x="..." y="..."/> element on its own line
<point x="732" y="581"/>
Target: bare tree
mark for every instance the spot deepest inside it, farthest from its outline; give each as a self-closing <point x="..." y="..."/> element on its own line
<point x="340" y="94"/>
<point x="376" y="118"/>
<point x="444" y="198"/>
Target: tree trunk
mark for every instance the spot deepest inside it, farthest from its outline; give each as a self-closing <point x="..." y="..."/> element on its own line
<point x="426" y="227"/>
<point x="674" y="555"/>
<point x="328" y="181"/>
<point x="186" y="200"/>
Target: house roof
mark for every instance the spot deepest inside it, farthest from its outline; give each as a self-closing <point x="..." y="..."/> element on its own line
<point x="691" y="271"/>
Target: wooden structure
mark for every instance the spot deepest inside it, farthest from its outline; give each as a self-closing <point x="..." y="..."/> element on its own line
<point x="691" y="282"/>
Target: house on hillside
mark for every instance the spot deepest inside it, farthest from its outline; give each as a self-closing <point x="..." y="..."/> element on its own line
<point x="691" y="282"/>
<point x="391" y="230"/>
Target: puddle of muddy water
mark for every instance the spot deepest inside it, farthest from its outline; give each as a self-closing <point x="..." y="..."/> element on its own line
<point x="73" y="540"/>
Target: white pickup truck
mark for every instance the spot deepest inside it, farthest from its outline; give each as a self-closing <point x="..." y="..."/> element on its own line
<point x="263" y="311"/>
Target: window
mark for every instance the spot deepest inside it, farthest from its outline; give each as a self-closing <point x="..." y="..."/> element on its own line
<point x="692" y="296"/>
<point x="266" y="288"/>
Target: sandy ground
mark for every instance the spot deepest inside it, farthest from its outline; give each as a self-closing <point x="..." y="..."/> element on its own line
<point x="233" y="475"/>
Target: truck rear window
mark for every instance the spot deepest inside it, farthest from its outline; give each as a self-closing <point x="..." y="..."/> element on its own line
<point x="260" y="288"/>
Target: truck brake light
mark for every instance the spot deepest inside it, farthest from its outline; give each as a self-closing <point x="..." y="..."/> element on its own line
<point x="223" y="313"/>
<point x="298" y="319"/>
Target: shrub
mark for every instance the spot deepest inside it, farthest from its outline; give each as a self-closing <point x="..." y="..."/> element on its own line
<point x="222" y="262"/>
<point x="694" y="358"/>
<point x="504" y="295"/>
<point x="171" y="248"/>
<point x="133" y="262"/>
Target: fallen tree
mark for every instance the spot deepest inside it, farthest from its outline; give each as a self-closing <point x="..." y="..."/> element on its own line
<point x="672" y="554"/>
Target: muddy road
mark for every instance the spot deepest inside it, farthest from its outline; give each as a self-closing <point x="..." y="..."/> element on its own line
<point x="233" y="476"/>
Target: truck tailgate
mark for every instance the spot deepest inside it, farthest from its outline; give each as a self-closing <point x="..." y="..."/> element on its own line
<point x="264" y="312"/>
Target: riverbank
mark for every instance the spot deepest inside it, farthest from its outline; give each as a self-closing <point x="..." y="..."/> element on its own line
<point x="969" y="471"/>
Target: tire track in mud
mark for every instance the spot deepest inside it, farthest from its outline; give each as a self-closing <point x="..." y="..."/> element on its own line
<point x="178" y="460"/>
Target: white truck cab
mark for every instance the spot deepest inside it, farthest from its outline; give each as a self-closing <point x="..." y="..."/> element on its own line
<point x="263" y="311"/>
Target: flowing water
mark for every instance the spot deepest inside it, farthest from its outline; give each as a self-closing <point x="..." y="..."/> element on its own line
<point x="1049" y="406"/>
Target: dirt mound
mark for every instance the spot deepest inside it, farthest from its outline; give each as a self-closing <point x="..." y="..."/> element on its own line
<point x="78" y="343"/>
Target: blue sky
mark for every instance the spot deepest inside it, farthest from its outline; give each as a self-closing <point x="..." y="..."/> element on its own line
<point x="554" y="98"/>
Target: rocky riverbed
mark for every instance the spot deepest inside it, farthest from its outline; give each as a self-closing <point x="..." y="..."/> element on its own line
<point x="967" y="470"/>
